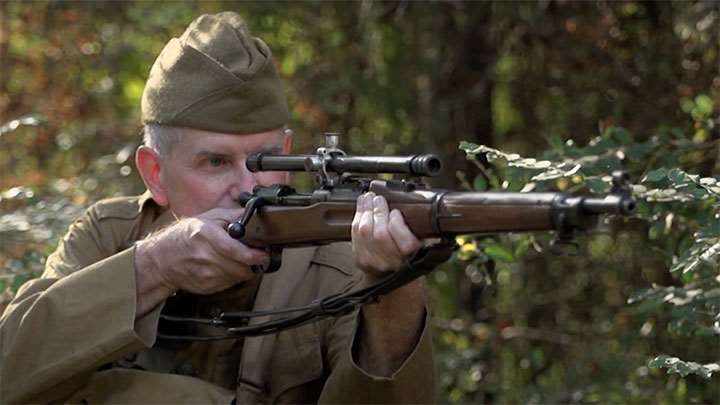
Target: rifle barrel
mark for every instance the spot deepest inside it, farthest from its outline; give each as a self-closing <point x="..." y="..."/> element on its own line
<point x="609" y="204"/>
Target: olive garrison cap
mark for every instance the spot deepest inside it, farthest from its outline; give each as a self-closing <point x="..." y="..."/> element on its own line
<point x="215" y="77"/>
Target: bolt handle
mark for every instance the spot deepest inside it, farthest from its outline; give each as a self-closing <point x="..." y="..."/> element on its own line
<point x="236" y="229"/>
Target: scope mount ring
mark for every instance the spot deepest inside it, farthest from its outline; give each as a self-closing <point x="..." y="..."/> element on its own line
<point x="326" y="154"/>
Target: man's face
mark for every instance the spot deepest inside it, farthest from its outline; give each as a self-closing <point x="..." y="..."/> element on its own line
<point x="206" y="170"/>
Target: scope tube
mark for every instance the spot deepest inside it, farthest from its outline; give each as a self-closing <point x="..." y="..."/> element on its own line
<point x="264" y="162"/>
<point x="417" y="165"/>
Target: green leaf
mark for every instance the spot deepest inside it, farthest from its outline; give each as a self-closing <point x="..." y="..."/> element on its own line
<point x="556" y="141"/>
<point x="656" y="230"/>
<point x="698" y="192"/>
<point x="468" y="147"/>
<point x="499" y="253"/>
<point x="133" y="89"/>
<point x="711" y="230"/>
<point x="621" y="135"/>
<point x="703" y="105"/>
<point x="656" y="175"/>
<point x="596" y="185"/>
<point x="686" y="105"/>
<point x="650" y="293"/>
<point x="480" y="184"/>
<point x="702" y="253"/>
<point x="678" y="177"/>
<point x="523" y="246"/>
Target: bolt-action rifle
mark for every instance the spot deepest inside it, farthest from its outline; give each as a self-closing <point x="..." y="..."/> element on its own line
<point x="278" y="217"/>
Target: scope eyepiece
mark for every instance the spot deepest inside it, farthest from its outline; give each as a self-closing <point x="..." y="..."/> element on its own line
<point x="253" y="162"/>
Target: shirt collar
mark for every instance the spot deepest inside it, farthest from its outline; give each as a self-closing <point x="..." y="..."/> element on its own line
<point x="145" y="198"/>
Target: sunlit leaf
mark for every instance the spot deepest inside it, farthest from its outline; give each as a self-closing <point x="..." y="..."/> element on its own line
<point x="684" y="368"/>
<point x="32" y="120"/>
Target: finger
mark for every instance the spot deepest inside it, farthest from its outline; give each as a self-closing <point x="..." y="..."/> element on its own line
<point x="380" y="209"/>
<point x="375" y="250"/>
<point x="218" y="272"/>
<point x="224" y="245"/>
<point x="359" y="210"/>
<point x="204" y="274"/>
<point x="366" y="202"/>
<point x="235" y="272"/>
<point x="405" y="240"/>
<point x="221" y="272"/>
<point x="382" y="240"/>
<point x="365" y="225"/>
<point x="362" y="230"/>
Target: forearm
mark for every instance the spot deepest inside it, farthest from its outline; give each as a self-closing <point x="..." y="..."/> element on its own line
<point x="391" y="329"/>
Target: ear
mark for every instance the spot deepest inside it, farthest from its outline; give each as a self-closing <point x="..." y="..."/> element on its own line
<point x="287" y="141"/>
<point x="149" y="164"/>
<point x="286" y="147"/>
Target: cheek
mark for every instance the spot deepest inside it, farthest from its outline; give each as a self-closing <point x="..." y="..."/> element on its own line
<point x="192" y="195"/>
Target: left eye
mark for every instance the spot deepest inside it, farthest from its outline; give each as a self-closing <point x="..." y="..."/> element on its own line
<point x="217" y="161"/>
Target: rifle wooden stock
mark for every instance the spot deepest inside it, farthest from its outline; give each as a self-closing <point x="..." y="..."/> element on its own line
<point x="428" y="213"/>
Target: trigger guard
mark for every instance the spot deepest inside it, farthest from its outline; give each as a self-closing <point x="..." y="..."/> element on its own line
<point x="273" y="266"/>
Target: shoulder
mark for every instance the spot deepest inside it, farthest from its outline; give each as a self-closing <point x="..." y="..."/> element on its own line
<point x="117" y="208"/>
<point x="103" y="230"/>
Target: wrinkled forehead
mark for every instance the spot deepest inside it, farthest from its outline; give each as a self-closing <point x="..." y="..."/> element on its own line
<point x="194" y="141"/>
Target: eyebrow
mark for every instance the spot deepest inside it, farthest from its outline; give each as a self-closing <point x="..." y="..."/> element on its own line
<point x="207" y="153"/>
<point x="272" y="149"/>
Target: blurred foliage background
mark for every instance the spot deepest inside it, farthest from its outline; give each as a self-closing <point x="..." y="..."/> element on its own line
<point x="546" y="95"/>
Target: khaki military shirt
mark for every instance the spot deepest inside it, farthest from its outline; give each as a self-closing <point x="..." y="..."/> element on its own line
<point x="71" y="335"/>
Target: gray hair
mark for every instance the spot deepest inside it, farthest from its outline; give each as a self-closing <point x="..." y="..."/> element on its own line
<point x="161" y="138"/>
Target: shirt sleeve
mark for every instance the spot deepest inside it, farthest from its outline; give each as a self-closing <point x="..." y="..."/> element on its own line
<point x="80" y="315"/>
<point x="413" y="382"/>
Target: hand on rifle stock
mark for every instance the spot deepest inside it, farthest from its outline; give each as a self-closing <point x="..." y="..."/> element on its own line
<point x="195" y="255"/>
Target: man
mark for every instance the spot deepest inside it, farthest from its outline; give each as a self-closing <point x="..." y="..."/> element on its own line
<point x="87" y="331"/>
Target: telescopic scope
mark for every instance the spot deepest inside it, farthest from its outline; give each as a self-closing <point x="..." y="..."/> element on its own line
<point x="417" y="165"/>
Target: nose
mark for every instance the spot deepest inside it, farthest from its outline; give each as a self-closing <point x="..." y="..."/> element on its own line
<point x="243" y="181"/>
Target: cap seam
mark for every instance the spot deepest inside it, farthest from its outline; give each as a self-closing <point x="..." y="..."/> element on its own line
<point x="205" y="97"/>
<point x="215" y="61"/>
<point x="214" y="93"/>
